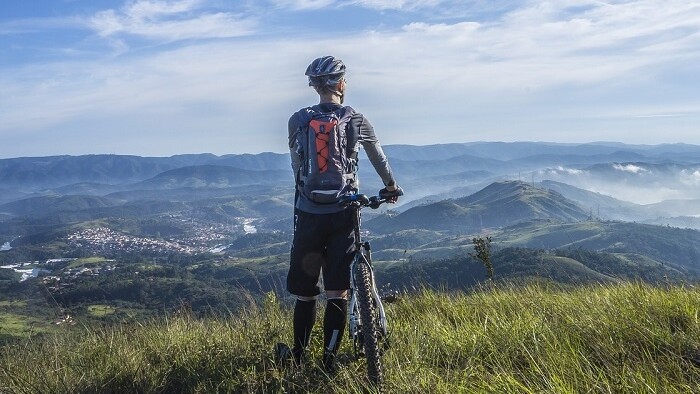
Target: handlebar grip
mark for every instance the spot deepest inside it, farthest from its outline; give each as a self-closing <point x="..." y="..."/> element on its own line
<point x="362" y="200"/>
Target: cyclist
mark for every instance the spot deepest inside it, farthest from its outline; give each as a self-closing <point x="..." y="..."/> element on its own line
<point x="323" y="233"/>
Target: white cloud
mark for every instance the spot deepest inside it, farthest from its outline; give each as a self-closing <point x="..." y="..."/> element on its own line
<point x="372" y="4"/>
<point x="690" y="178"/>
<point x="170" y="21"/>
<point x="304" y="4"/>
<point x="398" y="4"/>
<point x="538" y="71"/>
<point x="181" y="100"/>
<point x="560" y="170"/>
<point x="440" y="8"/>
<point x="151" y="9"/>
<point x="631" y="168"/>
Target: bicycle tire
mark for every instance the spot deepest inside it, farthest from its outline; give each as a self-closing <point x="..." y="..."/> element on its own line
<point x="370" y="325"/>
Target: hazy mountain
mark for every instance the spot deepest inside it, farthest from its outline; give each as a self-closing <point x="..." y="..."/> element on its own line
<point x="39" y="206"/>
<point x="63" y="170"/>
<point x="11" y="194"/>
<point x="677" y="150"/>
<point x="577" y="160"/>
<point x="429" y="152"/>
<point x="504" y="151"/>
<point x="647" y="175"/>
<point x="673" y="208"/>
<point x="691" y="222"/>
<point x="519" y="150"/>
<point x="679" y="213"/>
<point x="212" y="176"/>
<point x="259" y="162"/>
<point x="56" y="171"/>
<point x="499" y="204"/>
<point x="449" y="166"/>
<point x="599" y="205"/>
<point x="86" y="188"/>
<point x="639" y="182"/>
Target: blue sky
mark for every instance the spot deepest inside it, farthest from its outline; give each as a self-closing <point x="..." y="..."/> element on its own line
<point x="157" y="78"/>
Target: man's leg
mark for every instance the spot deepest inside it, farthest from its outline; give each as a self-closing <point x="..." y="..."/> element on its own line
<point x="304" y="319"/>
<point x="336" y="277"/>
<point x="306" y="260"/>
<point x="334" y="322"/>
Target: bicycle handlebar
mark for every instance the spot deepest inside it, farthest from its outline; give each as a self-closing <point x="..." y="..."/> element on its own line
<point x="362" y="200"/>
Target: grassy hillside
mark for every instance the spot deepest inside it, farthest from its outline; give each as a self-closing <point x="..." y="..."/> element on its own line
<point x="668" y="245"/>
<point x="627" y="338"/>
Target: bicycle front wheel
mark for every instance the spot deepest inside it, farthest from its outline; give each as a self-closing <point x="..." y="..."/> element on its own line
<point x="369" y="318"/>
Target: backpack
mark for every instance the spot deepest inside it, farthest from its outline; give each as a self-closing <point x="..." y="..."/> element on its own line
<point x="328" y="166"/>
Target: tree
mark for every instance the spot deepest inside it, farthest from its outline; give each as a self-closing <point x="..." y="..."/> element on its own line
<point x="482" y="252"/>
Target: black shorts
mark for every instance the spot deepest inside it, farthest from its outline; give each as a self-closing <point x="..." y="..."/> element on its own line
<point x="322" y="243"/>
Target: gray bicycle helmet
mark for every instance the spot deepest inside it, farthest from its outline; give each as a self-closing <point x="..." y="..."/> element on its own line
<point x="325" y="71"/>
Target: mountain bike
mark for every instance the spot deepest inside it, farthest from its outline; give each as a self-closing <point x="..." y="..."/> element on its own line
<point x="367" y="322"/>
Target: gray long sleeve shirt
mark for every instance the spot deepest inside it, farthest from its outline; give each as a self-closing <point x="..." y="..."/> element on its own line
<point x="360" y="133"/>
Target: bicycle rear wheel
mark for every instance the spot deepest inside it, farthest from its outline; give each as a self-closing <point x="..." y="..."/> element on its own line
<point x="369" y="318"/>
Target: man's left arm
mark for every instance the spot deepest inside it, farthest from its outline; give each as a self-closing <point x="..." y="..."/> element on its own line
<point x="293" y="129"/>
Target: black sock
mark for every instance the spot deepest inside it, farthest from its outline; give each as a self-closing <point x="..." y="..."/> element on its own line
<point x="334" y="324"/>
<point x="304" y="319"/>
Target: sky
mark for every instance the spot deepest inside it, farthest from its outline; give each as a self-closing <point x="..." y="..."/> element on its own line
<point x="167" y="77"/>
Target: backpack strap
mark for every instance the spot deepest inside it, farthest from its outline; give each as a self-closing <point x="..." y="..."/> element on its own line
<point x="352" y="153"/>
<point x="302" y="142"/>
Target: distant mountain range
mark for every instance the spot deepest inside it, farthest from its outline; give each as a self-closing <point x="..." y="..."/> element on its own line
<point x="572" y="212"/>
<point x="448" y="186"/>
<point x="36" y="173"/>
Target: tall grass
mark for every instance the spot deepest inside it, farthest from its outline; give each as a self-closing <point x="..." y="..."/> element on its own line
<point x="628" y="338"/>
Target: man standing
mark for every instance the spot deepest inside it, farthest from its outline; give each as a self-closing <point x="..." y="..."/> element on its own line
<point x="324" y="141"/>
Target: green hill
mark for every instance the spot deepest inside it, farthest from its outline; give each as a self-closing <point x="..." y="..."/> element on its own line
<point x="627" y="338"/>
<point x="498" y="205"/>
<point x="667" y="245"/>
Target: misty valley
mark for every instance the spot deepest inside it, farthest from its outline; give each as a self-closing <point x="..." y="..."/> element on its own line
<point x="109" y="239"/>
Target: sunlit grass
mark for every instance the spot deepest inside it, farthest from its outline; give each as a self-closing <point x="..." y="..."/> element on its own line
<point x="13" y="303"/>
<point x="100" y="310"/>
<point x="88" y="261"/>
<point x="16" y="325"/>
<point x="628" y="338"/>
